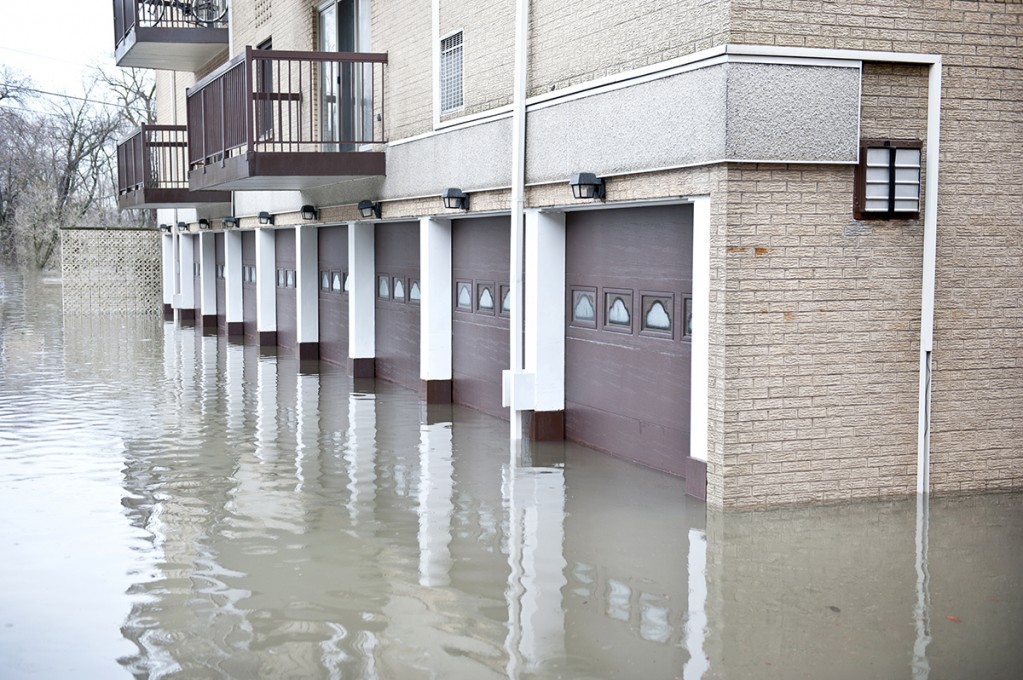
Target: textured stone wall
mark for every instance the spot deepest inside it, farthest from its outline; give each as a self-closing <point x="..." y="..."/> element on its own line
<point x="488" y="50"/>
<point x="403" y="29"/>
<point x="112" y="271"/>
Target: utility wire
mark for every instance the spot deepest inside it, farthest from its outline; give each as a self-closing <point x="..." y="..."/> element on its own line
<point x="65" y="96"/>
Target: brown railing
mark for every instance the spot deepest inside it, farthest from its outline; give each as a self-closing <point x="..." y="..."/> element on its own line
<point x="131" y="14"/>
<point x="154" y="157"/>
<point x="275" y="101"/>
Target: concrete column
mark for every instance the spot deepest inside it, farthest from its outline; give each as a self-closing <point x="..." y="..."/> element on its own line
<point x="208" y="281"/>
<point x="435" y="309"/>
<point x="362" y="300"/>
<point x="168" y="276"/>
<point x="308" y="291"/>
<point x="233" y="283"/>
<point x="184" y="300"/>
<point x="266" y="287"/>
<point x="545" y="323"/>
<point x="696" y="463"/>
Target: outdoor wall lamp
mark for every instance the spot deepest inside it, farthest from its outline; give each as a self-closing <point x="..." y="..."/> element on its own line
<point x="182" y="226"/>
<point x="204" y="223"/>
<point x="266" y="218"/>
<point x="587" y="185"/>
<point x="368" y="208"/>
<point x="165" y="227"/>
<point x="309" y="212"/>
<point x="230" y="222"/>
<point x="455" y="199"/>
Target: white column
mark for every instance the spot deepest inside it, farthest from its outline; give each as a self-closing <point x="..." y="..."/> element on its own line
<point x="545" y="308"/>
<point x="699" y="397"/>
<point x="168" y="269"/>
<point x="307" y="266"/>
<point x="233" y="275"/>
<point x="435" y="307"/>
<point x="362" y="296"/>
<point x="207" y="274"/>
<point x="266" y="281"/>
<point x="436" y="507"/>
<point x="185" y="298"/>
<point x="696" y="620"/>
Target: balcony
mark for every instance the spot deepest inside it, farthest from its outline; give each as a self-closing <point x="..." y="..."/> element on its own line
<point x="152" y="167"/>
<point x="175" y="35"/>
<point x="276" y="120"/>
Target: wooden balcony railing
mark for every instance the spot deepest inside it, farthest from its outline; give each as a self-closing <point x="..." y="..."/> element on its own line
<point x="293" y="108"/>
<point x="152" y="170"/>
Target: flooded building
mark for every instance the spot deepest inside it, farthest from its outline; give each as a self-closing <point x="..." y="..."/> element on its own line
<point x="772" y="248"/>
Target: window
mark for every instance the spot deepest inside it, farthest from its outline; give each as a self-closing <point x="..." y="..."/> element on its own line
<point x="485" y="298"/>
<point x="687" y="316"/>
<point x="584" y="308"/>
<point x="399" y="289"/>
<point x="384" y="287"/>
<point x="451" y="98"/>
<point x="289" y="278"/>
<point x="505" y="299"/>
<point x="347" y="286"/>
<point x="414" y="296"/>
<point x="335" y="282"/>
<point x="887" y="183"/>
<point x="618" y="310"/>
<point x="280" y="278"/>
<point x="463" y="295"/>
<point x="325" y="281"/>
<point x="658" y="309"/>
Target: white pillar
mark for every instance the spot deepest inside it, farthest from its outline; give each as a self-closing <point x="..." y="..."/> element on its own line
<point x="233" y="282"/>
<point x="185" y="298"/>
<point x="699" y="404"/>
<point x="545" y="308"/>
<point x="308" y="292"/>
<point x="361" y="298"/>
<point x="208" y="277"/>
<point x="266" y="285"/>
<point x="436" y="506"/>
<point x="168" y="271"/>
<point x="435" y="307"/>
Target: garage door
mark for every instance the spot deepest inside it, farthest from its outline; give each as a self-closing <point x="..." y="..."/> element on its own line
<point x="333" y="296"/>
<point x="397" y="303"/>
<point x="219" y="254"/>
<point x="480" y="254"/>
<point x="627" y="362"/>
<point x="249" y="286"/>
<point x="286" y="278"/>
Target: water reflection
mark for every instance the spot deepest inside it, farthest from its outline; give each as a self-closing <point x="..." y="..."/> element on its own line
<point x="190" y="507"/>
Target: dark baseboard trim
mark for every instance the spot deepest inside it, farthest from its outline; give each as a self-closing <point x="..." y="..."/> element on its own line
<point x="235" y="328"/>
<point x="696" y="478"/>
<point x="308" y="351"/>
<point x="363" y="367"/>
<point x="435" y="391"/>
<point x="168" y="311"/>
<point x="186" y="317"/>
<point x="267" y="338"/>
<point x="209" y="324"/>
<point x="544" y="426"/>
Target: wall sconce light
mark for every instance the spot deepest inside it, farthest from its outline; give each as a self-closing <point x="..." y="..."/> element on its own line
<point x="182" y="226"/>
<point x="369" y="209"/>
<point x="587" y="185"/>
<point x="309" y="212"/>
<point x="266" y="218"/>
<point x="204" y="223"/>
<point x="455" y="199"/>
<point x="165" y="228"/>
<point x="230" y="222"/>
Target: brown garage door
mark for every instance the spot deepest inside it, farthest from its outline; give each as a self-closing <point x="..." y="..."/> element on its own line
<point x="480" y="252"/>
<point x="397" y="303"/>
<point x="249" y="286"/>
<point x="627" y="363"/>
<point x="286" y="278"/>
<point x="219" y="253"/>
<point x="333" y="296"/>
<point x="197" y="281"/>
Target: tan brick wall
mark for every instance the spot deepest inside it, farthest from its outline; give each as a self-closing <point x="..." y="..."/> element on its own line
<point x="170" y="97"/>
<point x="403" y="29"/>
<point x="574" y="42"/>
<point x="977" y="401"/>
<point x="488" y="50"/>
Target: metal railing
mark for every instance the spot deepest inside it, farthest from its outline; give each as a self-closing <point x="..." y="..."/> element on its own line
<point x="131" y="14"/>
<point x="277" y="101"/>
<point x="154" y="157"/>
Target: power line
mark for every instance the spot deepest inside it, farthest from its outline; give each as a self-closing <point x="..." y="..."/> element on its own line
<point x="65" y="96"/>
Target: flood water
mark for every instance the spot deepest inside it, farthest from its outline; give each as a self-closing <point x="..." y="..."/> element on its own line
<point x="177" y="506"/>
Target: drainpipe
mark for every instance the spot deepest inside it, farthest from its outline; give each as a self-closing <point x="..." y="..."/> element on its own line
<point x="923" y="463"/>
<point x="518" y="204"/>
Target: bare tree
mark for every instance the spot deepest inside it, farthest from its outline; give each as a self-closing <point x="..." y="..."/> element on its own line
<point x="134" y="91"/>
<point x="12" y="84"/>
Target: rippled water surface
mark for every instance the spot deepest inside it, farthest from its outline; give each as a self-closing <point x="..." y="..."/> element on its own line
<point x="176" y="506"/>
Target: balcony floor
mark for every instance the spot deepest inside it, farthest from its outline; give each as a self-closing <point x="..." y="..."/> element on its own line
<point x="174" y="49"/>
<point x="170" y="198"/>
<point x="287" y="171"/>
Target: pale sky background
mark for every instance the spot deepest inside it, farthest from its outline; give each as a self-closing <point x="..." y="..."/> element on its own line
<point x="55" y="42"/>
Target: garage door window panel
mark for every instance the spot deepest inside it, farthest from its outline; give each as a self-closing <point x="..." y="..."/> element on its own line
<point x="584" y="307"/>
<point x="399" y="289"/>
<point x="505" y="299"/>
<point x="384" y="287"/>
<point x="485" y="298"/>
<point x="463" y="296"/>
<point x="618" y="310"/>
<point x="658" y="314"/>
<point x="414" y="294"/>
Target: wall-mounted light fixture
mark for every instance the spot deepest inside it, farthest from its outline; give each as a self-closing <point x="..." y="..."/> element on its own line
<point x="266" y="218"/>
<point x="182" y="226"/>
<point x="310" y="212"/>
<point x="368" y="208"/>
<point x="887" y="180"/>
<point x="204" y="223"/>
<point x="587" y="185"/>
<point x="165" y="228"/>
<point x="230" y="222"/>
<point x="455" y="199"/>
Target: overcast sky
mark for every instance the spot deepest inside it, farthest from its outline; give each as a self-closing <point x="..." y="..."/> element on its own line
<point x="56" y="41"/>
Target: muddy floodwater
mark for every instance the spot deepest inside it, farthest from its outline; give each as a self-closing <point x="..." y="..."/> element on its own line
<point x="177" y="506"/>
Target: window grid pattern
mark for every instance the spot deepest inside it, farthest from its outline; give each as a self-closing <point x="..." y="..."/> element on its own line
<point x="451" y="98"/>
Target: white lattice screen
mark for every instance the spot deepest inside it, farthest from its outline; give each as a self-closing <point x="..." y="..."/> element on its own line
<point x="112" y="271"/>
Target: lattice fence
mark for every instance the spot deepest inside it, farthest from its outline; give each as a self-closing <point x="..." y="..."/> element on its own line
<point x="112" y="271"/>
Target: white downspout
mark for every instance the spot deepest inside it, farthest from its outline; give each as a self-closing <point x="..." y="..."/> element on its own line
<point x="518" y="204"/>
<point x="923" y="462"/>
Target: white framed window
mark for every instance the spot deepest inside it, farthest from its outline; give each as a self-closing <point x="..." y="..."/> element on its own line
<point x="451" y="97"/>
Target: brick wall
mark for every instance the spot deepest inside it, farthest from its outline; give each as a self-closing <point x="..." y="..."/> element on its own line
<point x="403" y="29"/>
<point x="488" y="50"/>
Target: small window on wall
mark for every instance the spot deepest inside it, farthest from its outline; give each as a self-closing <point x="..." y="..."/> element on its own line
<point x="687" y="317"/>
<point x="451" y="97"/>
<point x="658" y="310"/>
<point x="335" y="282"/>
<point x="414" y="294"/>
<point x="887" y="182"/>
<point x="195" y="269"/>
<point x="325" y="281"/>
<point x="584" y="307"/>
<point x="505" y="299"/>
<point x="280" y="278"/>
<point x="618" y="310"/>
<point x="384" y="287"/>
<point x="399" y="289"/>
<point x="290" y="278"/>
<point x="485" y="298"/>
<point x="463" y="295"/>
